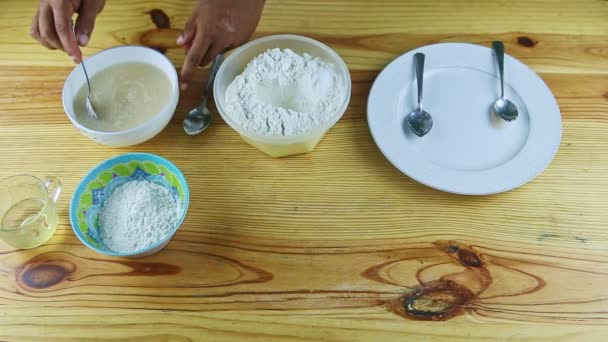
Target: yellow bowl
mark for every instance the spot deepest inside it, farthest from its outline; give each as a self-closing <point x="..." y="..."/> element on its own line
<point x="279" y="146"/>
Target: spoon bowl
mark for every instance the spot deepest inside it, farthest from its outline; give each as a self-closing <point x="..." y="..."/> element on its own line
<point x="89" y="106"/>
<point x="420" y="122"/>
<point x="197" y="120"/>
<point x="505" y="109"/>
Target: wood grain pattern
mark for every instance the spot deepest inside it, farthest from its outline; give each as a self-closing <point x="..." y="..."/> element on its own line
<point x="335" y="245"/>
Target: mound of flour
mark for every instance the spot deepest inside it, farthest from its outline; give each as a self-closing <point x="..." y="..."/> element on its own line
<point x="282" y="93"/>
<point x="137" y="215"/>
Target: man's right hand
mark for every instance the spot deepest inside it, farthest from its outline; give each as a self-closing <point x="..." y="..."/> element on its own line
<point x="52" y="24"/>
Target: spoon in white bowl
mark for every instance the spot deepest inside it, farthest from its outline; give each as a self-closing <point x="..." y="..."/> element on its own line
<point x="89" y="103"/>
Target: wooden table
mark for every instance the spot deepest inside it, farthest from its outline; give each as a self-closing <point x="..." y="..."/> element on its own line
<point x="327" y="245"/>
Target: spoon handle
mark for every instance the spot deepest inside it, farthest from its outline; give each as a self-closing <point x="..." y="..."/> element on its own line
<point x="499" y="50"/>
<point x="419" y="61"/>
<point x="215" y="66"/>
<point x="86" y="75"/>
<point x="89" y="102"/>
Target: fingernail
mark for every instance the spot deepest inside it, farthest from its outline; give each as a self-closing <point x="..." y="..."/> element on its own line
<point x="183" y="86"/>
<point x="180" y="39"/>
<point x="83" y="40"/>
<point x="75" y="60"/>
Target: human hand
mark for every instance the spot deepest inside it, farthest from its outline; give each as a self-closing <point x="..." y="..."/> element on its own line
<point x="216" y="26"/>
<point x="52" y="24"/>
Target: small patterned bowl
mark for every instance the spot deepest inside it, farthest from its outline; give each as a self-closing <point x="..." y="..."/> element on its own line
<point x="99" y="183"/>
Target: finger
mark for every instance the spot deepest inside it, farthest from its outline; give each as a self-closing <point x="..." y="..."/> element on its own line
<point x="212" y="52"/>
<point x="46" y="26"/>
<point x="35" y="32"/>
<point x="84" y="29"/>
<point x="63" y="26"/>
<point x="187" y="48"/>
<point x="189" y="32"/>
<point x="193" y="59"/>
<point x="34" y="27"/>
<point x="86" y="20"/>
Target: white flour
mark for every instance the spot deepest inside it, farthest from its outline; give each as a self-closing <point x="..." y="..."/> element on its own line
<point x="137" y="215"/>
<point x="282" y="93"/>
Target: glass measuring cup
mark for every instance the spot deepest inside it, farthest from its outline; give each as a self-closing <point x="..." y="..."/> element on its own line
<point x="28" y="210"/>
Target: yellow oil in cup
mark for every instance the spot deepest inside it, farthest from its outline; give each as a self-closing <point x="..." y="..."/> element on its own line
<point x="28" y="210"/>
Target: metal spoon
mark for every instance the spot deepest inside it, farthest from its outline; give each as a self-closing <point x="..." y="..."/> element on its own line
<point x="502" y="107"/>
<point x="89" y="103"/>
<point x="199" y="118"/>
<point x="420" y="122"/>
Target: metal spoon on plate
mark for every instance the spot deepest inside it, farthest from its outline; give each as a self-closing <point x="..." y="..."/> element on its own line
<point x="502" y="107"/>
<point x="420" y="121"/>
<point x="199" y="118"/>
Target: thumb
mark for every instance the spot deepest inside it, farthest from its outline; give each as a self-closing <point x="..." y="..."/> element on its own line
<point x="85" y="22"/>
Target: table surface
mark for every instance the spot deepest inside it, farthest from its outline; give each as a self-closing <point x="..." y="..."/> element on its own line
<point x="326" y="245"/>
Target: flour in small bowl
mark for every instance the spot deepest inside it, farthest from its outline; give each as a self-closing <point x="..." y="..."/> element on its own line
<point x="137" y="215"/>
<point x="282" y="93"/>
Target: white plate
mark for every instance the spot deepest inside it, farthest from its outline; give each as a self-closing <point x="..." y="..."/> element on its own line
<point x="468" y="151"/>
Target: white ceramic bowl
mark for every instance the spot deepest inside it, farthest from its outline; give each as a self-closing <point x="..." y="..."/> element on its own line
<point x="279" y="146"/>
<point x="117" y="55"/>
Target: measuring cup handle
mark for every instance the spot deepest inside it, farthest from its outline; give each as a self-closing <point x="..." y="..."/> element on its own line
<point x="53" y="186"/>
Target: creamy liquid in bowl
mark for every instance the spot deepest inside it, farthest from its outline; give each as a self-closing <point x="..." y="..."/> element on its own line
<point x="124" y="96"/>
